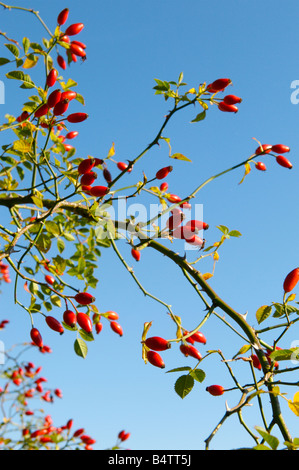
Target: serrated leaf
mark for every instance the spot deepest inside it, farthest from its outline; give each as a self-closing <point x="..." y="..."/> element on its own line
<point x="13" y="49"/>
<point x="198" y="375"/>
<point x="52" y="228"/>
<point x="43" y="243"/>
<point x="271" y="440"/>
<point x="56" y="301"/>
<point x="263" y="313"/>
<point x="26" y="44"/>
<point x="235" y="233"/>
<point x="184" y="385"/>
<point x="86" y="336"/>
<point x="80" y="348"/>
<point x="294" y="405"/>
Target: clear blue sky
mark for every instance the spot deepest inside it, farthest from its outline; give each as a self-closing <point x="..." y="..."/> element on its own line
<point x="129" y="44"/>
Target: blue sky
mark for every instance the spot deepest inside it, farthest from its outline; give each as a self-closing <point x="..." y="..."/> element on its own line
<point x="129" y="44"/>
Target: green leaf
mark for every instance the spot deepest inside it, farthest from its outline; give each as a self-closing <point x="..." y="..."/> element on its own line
<point x="60" y="245"/>
<point x="271" y="440"/>
<point x="52" y="228"/>
<point x="184" y="385"/>
<point x="235" y="233"/>
<point x="43" y="243"/>
<point x="4" y="61"/>
<point x="56" y="300"/>
<point x="86" y="336"/>
<point x="13" y="49"/>
<point x="285" y="354"/>
<point x="179" y="369"/>
<point x="223" y="229"/>
<point x="18" y="75"/>
<point x="198" y="375"/>
<point x="80" y="348"/>
<point x="26" y="44"/>
<point x="200" y="117"/>
<point x="263" y="313"/>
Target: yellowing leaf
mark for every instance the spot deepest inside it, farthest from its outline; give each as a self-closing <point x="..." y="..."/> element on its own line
<point x="247" y="171"/>
<point x="294" y="405"/>
<point x="111" y="151"/>
<point x="29" y="64"/>
<point x="207" y="276"/>
<point x="22" y="146"/>
<point x="192" y="91"/>
<point x="180" y="156"/>
<point x="216" y="256"/>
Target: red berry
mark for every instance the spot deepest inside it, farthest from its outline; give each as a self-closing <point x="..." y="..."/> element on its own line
<point x="188" y="350"/>
<point x="71" y="135"/>
<point x="61" y="62"/>
<point x="79" y="43"/>
<point x="265" y="148"/>
<point x="164" y="187"/>
<point x="77" y="117"/>
<point x="77" y="50"/>
<point x="52" y="77"/>
<point x="260" y="166"/>
<point x="116" y="328"/>
<point x="279" y="148"/>
<point x="227" y="108"/>
<point x="163" y="172"/>
<point x="256" y="362"/>
<point x="199" y="337"/>
<point x="136" y="254"/>
<point x="99" y="327"/>
<point x="173" y="198"/>
<point x="107" y="175"/>
<point x="155" y="359"/>
<point x="63" y="16"/>
<point x="84" y="321"/>
<point x="283" y="161"/>
<point x="86" y="189"/>
<point x="60" y="108"/>
<point x="49" y="279"/>
<point x="36" y="337"/>
<point x="175" y="220"/>
<point x="157" y="344"/>
<point x="54" y="98"/>
<point x="123" y="166"/>
<point x="68" y="147"/>
<point x="232" y="99"/>
<point x="99" y="191"/>
<point x="123" y="436"/>
<point x="68" y="95"/>
<point x="196" y="225"/>
<point x="84" y="298"/>
<point x="215" y="390"/>
<point x="41" y="111"/>
<point x="218" y="85"/>
<point x="88" y="178"/>
<point x="112" y="315"/>
<point x="291" y="280"/>
<point x="74" y="29"/>
<point x="70" y="318"/>
<point x="54" y="324"/>
<point x="86" y="165"/>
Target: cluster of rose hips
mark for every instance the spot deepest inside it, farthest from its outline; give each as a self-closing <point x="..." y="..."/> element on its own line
<point x="75" y="48"/>
<point x="4" y="271"/>
<point x="277" y="149"/>
<point x="154" y="344"/>
<point x="71" y="319"/>
<point x="228" y="103"/>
